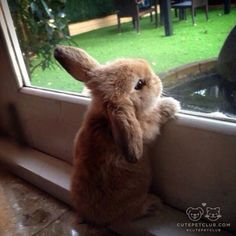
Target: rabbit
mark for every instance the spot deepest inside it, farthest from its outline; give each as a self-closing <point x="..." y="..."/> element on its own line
<point x="111" y="176"/>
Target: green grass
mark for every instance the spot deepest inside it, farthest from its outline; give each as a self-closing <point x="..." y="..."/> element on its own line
<point x="189" y="43"/>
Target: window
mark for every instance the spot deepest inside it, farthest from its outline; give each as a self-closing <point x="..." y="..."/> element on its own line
<point x="191" y="50"/>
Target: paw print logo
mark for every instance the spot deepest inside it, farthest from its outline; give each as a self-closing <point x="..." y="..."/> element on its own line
<point x="194" y="214"/>
<point x="213" y="214"/>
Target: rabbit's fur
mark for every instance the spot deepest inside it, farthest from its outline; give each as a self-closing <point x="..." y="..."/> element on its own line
<point x="111" y="178"/>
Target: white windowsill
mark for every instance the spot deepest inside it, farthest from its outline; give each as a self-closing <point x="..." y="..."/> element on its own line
<point x="187" y="118"/>
<point x="42" y="170"/>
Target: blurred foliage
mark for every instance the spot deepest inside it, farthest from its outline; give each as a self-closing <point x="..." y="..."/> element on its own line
<point x="40" y="25"/>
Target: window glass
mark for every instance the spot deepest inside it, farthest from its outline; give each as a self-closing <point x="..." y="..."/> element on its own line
<point x="41" y="24"/>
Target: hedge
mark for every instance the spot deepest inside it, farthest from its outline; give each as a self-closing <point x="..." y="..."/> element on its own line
<point x="80" y="10"/>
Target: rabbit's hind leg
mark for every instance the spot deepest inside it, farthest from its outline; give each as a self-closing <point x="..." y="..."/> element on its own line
<point x="147" y="207"/>
<point x="151" y="205"/>
<point x="139" y="209"/>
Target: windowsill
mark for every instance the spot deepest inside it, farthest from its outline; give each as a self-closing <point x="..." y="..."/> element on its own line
<point x="83" y="100"/>
<point x="42" y="170"/>
<point x="55" y="95"/>
<point x="167" y="221"/>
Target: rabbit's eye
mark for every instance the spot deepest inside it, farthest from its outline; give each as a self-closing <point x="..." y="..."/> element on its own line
<point x="140" y="84"/>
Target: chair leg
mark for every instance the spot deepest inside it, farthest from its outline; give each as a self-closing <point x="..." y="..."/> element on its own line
<point x="118" y="23"/>
<point x="156" y="19"/>
<point x="151" y="16"/>
<point x="181" y="14"/>
<point x="156" y="16"/>
<point x="161" y="18"/>
<point x="136" y="23"/>
<point x="192" y="14"/>
<point x="206" y="11"/>
<point x="176" y="13"/>
<point x="133" y="21"/>
<point x="185" y="14"/>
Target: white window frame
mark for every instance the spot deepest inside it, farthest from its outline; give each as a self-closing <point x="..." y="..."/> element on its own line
<point x="23" y="80"/>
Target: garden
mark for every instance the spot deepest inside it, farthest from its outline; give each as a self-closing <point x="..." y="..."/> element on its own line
<point x="189" y="43"/>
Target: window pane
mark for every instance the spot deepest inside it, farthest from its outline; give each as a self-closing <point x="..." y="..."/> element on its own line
<point x="41" y="25"/>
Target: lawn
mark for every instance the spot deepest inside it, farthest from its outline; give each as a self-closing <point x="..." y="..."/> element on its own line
<point x="189" y="43"/>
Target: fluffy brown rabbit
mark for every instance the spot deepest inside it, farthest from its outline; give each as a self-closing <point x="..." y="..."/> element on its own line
<point x="111" y="177"/>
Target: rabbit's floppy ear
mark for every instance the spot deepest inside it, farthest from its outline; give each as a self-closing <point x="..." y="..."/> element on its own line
<point x="126" y="130"/>
<point x="76" y="61"/>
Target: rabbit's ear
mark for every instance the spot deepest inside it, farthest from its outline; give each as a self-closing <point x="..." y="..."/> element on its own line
<point x="76" y="61"/>
<point x="126" y="131"/>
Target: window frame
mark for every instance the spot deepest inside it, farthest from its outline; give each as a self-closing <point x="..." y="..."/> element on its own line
<point x="23" y="80"/>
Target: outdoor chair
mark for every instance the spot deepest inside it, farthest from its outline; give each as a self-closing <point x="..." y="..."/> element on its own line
<point x="193" y="5"/>
<point x="135" y="9"/>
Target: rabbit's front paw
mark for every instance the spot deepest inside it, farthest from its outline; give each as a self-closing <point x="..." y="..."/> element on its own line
<point x="169" y="107"/>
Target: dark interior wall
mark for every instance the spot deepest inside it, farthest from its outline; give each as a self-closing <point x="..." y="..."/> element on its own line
<point x="8" y="88"/>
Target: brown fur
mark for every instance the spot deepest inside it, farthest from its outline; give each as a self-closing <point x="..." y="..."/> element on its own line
<point x="111" y="178"/>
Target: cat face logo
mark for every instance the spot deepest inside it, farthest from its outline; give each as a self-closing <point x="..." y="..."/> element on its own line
<point x="194" y="214"/>
<point x="213" y="214"/>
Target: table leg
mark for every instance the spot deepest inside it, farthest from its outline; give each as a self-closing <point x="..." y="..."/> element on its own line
<point x="166" y="12"/>
<point x="227" y="6"/>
